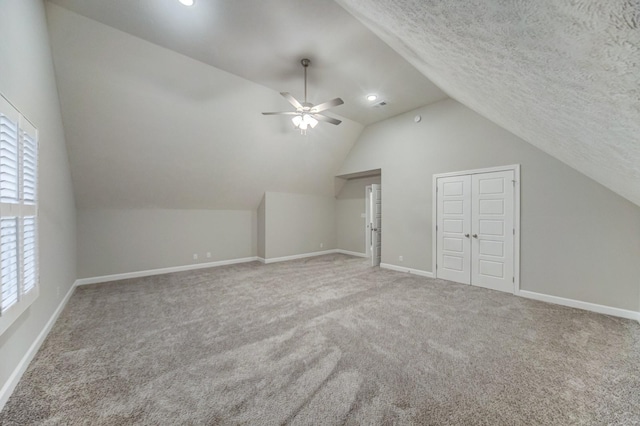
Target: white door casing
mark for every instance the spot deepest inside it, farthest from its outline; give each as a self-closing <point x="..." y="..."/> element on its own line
<point x="492" y="224"/>
<point x="453" y="228"/>
<point x="376" y="225"/>
<point x="368" y="221"/>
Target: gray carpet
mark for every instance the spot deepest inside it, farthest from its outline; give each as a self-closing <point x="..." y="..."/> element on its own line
<point x="326" y="340"/>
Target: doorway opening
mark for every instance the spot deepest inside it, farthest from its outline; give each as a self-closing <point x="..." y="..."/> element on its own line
<point x="359" y="214"/>
<point x="373" y="223"/>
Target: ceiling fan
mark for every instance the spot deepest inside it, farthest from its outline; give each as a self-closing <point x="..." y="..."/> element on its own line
<point x="307" y="114"/>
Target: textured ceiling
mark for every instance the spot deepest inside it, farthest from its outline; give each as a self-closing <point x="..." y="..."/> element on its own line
<point x="147" y="127"/>
<point x="263" y="41"/>
<point x="562" y="74"/>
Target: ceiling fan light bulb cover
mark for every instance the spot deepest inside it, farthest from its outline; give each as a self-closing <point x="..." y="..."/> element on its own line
<point x="310" y="121"/>
<point x="297" y="120"/>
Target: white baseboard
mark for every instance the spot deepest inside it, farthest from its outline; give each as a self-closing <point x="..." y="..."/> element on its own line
<point x="298" y="256"/>
<point x="408" y="270"/>
<point x="587" y="306"/>
<point x="351" y="253"/>
<point x="160" y="271"/>
<point x="15" y="377"/>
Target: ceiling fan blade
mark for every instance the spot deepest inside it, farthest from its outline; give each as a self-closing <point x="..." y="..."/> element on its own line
<point x="331" y="120"/>
<point x="293" y="101"/>
<point x="326" y="105"/>
<point x="281" y="113"/>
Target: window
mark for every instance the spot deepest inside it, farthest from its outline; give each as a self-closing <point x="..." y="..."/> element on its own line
<point x="18" y="214"/>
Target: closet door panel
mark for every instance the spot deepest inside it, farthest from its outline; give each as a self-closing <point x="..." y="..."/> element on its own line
<point x="454" y="227"/>
<point x="492" y="227"/>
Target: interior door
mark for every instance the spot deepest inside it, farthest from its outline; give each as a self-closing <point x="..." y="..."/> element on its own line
<point x="376" y="224"/>
<point x="493" y="230"/>
<point x="453" y="259"/>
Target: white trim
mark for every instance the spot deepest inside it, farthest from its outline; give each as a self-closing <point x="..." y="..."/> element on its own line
<point x="477" y="171"/>
<point x="15" y="377"/>
<point x="367" y="220"/>
<point x="516" y="223"/>
<point x="407" y="270"/>
<point x="587" y="306"/>
<point x="351" y="253"/>
<point x="298" y="256"/>
<point x="572" y="303"/>
<point x="9" y="316"/>
<point x="160" y="271"/>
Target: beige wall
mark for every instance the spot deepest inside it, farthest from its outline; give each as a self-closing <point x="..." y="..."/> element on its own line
<point x="350" y="206"/>
<point x="27" y="79"/>
<point x="579" y="240"/>
<point x="119" y="241"/>
<point x="298" y="224"/>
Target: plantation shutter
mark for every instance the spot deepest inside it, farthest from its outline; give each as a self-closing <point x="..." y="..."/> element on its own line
<point x="9" y="146"/>
<point x="18" y="213"/>
<point x="29" y="162"/>
<point x="9" y="262"/>
<point x="29" y="243"/>
<point x="28" y="230"/>
<point x="9" y="174"/>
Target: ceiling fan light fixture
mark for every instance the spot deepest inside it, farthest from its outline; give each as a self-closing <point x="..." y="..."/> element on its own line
<point x="310" y="120"/>
<point x="304" y="121"/>
<point x="307" y="114"/>
<point x="187" y="2"/>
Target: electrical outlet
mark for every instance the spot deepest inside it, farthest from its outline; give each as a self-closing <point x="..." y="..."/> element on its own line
<point x="195" y="256"/>
<point x="208" y="255"/>
<point x="321" y="245"/>
<point x="401" y="258"/>
<point x="362" y="215"/>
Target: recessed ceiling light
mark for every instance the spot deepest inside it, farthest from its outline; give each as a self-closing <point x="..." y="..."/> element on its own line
<point x="187" y="2"/>
<point x="372" y="98"/>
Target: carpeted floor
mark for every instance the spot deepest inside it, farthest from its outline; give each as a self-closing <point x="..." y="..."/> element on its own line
<point x="326" y="340"/>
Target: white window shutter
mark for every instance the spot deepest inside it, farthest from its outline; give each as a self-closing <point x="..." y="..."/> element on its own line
<point x="29" y="253"/>
<point x="29" y="164"/>
<point x="9" y="266"/>
<point x="18" y="214"/>
<point x="9" y="159"/>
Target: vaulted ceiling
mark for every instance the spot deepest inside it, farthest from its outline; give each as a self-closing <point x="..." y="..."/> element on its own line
<point x="162" y="103"/>
<point x="563" y="75"/>
<point x="264" y="41"/>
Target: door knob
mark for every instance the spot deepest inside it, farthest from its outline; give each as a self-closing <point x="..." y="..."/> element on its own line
<point x="466" y="235"/>
<point x="475" y="235"/>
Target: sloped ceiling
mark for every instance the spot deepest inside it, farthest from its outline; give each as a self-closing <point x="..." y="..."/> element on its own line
<point x="562" y="74"/>
<point x="264" y="41"/>
<point x="147" y="127"/>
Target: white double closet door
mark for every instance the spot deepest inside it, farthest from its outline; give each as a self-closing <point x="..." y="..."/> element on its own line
<point x="475" y="229"/>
